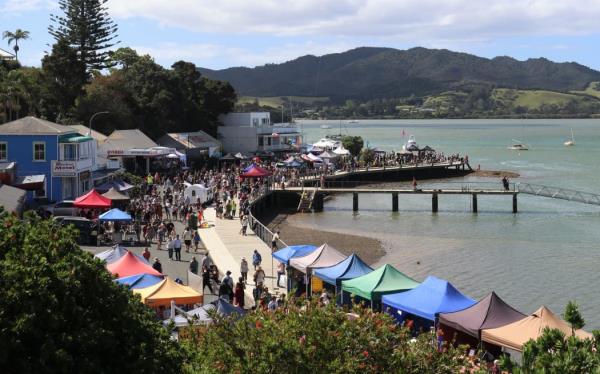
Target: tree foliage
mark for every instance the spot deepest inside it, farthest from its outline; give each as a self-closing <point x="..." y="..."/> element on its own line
<point x="573" y="316"/>
<point x="87" y="27"/>
<point x="354" y="144"/>
<point x="553" y="352"/>
<point x="311" y="339"/>
<point x="15" y="36"/>
<point x="61" y="311"/>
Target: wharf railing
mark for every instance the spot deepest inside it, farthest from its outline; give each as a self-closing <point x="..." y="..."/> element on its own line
<point x="559" y="193"/>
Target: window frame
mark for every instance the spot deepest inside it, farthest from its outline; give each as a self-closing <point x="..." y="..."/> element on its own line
<point x="34" y="154"/>
<point x="5" y="144"/>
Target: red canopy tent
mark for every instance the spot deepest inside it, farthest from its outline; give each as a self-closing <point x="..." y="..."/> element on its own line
<point x="92" y="199"/>
<point x="129" y="265"/>
<point x="255" y="172"/>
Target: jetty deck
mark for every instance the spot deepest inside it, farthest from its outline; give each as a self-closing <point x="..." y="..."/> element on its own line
<point x="226" y="248"/>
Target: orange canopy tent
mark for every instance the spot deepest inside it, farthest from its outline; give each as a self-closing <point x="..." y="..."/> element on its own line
<point x="92" y="199"/>
<point x="129" y="265"/>
<point x="515" y="334"/>
<point x="162" y="293"/>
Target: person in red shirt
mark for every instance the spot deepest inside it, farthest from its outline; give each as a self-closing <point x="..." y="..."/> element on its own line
<point x="146" y="254"/>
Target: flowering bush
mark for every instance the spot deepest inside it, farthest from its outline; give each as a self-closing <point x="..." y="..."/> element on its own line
<point x="306" y="338"/>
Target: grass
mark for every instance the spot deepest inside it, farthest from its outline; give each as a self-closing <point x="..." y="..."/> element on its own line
<point x="277" y="101"/>
<point x="593" y="89"/>
<point x="534" y="99"/>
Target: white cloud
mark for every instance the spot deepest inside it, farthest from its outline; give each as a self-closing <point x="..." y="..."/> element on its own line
<point x="400" y="19"/>
<point x="11" y="7"/>
<point x="215" y="56"/>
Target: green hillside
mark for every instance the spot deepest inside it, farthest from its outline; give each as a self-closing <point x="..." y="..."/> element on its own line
<point x="593" y="89"/>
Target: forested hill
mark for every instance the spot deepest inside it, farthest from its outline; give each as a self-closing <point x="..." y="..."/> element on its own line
<point x="367" y="73"/>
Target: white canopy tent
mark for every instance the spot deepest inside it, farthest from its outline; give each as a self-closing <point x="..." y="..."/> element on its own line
<point x="341" y="151"/>
<point x="197" y="191"/>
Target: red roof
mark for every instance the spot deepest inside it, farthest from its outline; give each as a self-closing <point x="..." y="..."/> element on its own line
<point x="92" y="199"/>
<point x="129" y="265"/>
<point x="256" y="172"/>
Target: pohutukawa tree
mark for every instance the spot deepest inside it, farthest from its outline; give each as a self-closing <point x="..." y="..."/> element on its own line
<point x="88" y="28"/>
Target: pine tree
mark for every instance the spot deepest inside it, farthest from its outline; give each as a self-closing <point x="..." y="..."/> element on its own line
<point x="88" y="28"/>
<point x="573" y="316"/>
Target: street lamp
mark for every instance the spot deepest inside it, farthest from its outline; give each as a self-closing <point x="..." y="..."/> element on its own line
<point x="92" y="118"/>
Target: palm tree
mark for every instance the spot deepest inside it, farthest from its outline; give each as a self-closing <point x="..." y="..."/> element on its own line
<point x="15" y="37"/>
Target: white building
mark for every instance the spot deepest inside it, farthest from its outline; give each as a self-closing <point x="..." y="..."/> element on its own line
<point x="254" y="132"/>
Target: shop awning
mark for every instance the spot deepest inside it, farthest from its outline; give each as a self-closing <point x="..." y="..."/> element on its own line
<point x="92" y="199"/>
<point x="162" y="293"/>
<point x="433" y="296"/>
<point x="285" y="254"/>
<point x="381" y="281"/>
<point x="30" y="182"/>
<point x="352" y="267"/>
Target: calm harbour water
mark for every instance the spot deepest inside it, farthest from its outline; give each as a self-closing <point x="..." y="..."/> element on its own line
<point x="548" y="253"/>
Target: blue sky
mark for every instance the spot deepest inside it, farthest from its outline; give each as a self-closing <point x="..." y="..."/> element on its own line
<point x="254" y="32"/>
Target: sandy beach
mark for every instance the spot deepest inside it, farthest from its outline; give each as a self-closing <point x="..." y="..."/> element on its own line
<point x="369" y="249"/>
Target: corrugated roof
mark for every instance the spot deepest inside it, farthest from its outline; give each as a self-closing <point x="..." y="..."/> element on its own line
<point x="6" y="54"/>
<point x="11" y="198"/>
<point x="33" y="126"/>
<point x="83" y="130"/>
<point x="196" y="139"/>
<point x="127" y="139"/>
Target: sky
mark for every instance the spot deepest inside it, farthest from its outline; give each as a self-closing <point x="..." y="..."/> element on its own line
<point x="220" y="34"/>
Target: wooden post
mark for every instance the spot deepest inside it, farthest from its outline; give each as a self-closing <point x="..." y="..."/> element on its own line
<point x="474" y="203"/>
<point x="394" y="201"/>
<point x="434" y="203"/>
<point x="355" y="201"/>
<point x="515" y="203"/>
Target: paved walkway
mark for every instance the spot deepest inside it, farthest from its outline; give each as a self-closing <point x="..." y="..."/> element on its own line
<point x="227" y="247"/>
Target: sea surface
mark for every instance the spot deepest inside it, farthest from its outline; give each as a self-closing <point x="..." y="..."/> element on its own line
<point x="547" y="254"/>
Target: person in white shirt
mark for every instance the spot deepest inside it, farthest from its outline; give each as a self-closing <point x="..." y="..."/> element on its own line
<point x="187" y="239"/>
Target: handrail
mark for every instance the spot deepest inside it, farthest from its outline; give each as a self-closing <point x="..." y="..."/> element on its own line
<point x="559" y="193"/>
<point x="260" y="230"/>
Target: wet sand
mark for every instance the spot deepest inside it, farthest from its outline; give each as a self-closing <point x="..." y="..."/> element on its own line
<point x="369" y="249"/>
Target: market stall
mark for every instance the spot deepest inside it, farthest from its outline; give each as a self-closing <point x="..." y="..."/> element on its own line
<point x="92" y="200"/>
<point x="129" y="265"/>
<point x="165" y="291"/>
<point x="139" y="281"/>
<point x="114" y="254"/>
<point x="382" y="281"/>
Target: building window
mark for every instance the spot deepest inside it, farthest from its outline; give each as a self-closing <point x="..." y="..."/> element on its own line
<point x="84" y="150"/>
<point x="3" y="151"/>
<point x="254" y="122"/>
<point x="39" y="151"/>
<point x="261" y="141"/>
<point x="70" y="152"/>
<point x="268" y="140"/>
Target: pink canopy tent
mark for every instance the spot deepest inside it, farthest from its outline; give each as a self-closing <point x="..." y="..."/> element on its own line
<point x="255" y="172"/>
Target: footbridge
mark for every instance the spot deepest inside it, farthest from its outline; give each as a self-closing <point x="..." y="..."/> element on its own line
<point x="312" y="197"/>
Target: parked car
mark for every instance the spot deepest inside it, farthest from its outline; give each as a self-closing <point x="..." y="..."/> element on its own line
<point x="84" y="225"/>
<point x="63" y="208"/>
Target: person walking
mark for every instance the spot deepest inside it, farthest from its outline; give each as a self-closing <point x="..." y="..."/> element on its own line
<point x="259" y="276"/>
<point x="177" y="248"/>
<point x="170" y="248"/>
<point x="244" y="222"/>
<point x="229" y="280"/>
<point x="196" y="240"/>
<point x="256" y="259"/>
<point x="274" y="241"/>
<point x="157" y="265"/>
<point x="187" y="239"/>
<point x="280" y="272"/>
<point x="238" y="294"/>
<point x="194" y="265"/>
<point x="206" y="281"/>
<point x="146" y="254"/>
<point x="244" y="269"/>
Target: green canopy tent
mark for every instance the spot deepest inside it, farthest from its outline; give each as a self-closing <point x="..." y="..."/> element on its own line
<point x="382" y="281"/>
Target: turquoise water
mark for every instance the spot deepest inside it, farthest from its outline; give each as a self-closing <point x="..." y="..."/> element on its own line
<point x="548" y="253"/>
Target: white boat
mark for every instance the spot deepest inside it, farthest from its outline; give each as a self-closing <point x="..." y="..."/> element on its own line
<point x="411" y="144"/>
<point x="571" y="141"/>
<point x="325" y="127"/>
<point x="518" y="146"/>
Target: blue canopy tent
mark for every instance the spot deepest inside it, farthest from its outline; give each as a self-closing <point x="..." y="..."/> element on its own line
<point x="350" y="268"/>
<point x="139" y="281"/>
<point x="431" y="297"/>
<point x="115" y="215"/>
<point x="286" y="254"/>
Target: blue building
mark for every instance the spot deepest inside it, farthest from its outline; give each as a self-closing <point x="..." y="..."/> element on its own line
<point x="52" y="161"/>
